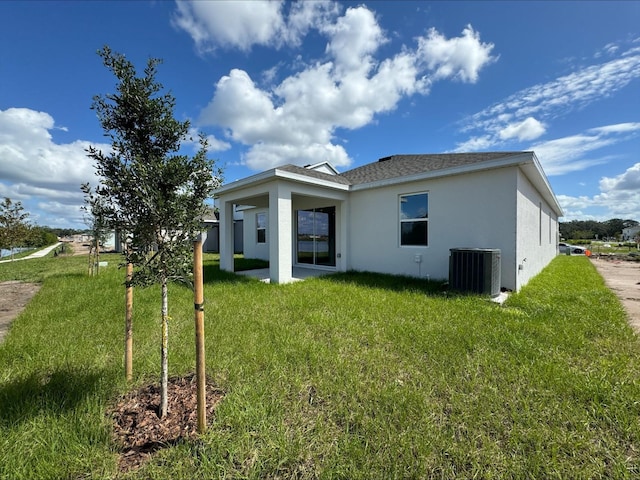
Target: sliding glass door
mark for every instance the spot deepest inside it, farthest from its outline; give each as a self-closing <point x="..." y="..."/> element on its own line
<point x="316" y="236"/>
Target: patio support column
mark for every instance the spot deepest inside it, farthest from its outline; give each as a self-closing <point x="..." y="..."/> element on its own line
<point x="280" y="232"/>
<point x="226" y="236"/>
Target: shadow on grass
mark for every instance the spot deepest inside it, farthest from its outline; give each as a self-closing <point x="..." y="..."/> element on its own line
<point x="396" y="283"/>
<point x="213" y="274"/>
<point x="46" y="393"/>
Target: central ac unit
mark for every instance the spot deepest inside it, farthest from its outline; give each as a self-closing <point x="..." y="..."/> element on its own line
<point x="475" y="270"/>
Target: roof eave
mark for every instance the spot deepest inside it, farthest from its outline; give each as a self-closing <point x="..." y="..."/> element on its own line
<point x="276" y="173"/>
<point x="245" y="182"/>
<point x="542" y="184"/>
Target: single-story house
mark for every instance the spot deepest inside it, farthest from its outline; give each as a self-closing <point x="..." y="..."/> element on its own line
<point x="399" y="215"/>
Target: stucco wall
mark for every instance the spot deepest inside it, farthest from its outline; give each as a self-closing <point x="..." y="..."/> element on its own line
<point x="470" y="210"/>
<point x="497" y="208"/>
<point x="252" y="249"/>
<point x="538" y="227"/>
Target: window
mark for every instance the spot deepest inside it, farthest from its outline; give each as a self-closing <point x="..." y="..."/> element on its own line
<point x="540" y="224"/>
<point x="261" y="228"/>
<point x="414" y="220"/>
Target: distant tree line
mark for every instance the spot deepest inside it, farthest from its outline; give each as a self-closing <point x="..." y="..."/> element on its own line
<point x="66" y="232"/>
<point x="591" y="229"/>
<point x="17" y="232"/>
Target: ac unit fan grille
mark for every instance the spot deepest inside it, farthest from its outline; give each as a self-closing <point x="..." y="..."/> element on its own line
<point x="475" y="270"/>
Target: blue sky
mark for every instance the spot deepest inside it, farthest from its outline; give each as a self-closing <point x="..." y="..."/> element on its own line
<point x="272" y="83"/>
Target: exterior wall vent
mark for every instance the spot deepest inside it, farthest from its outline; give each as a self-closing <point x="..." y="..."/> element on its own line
<point x="475" y="270"/>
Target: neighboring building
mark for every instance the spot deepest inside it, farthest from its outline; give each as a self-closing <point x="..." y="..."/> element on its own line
<point x="211" y="231"/>
<point x="629" y="234"/>
<point x="211" y="226"/>
<point x="399" y="215"/>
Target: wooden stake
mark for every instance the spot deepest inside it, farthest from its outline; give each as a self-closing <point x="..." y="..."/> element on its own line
<point x="97" y="256"/>
<point x="198" y="296"/>
<point x="128" y="328"/>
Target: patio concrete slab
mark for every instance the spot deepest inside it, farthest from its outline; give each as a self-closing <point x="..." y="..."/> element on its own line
<point x="297" y="274"/>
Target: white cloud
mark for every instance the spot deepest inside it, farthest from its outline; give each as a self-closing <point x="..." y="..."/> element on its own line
<point x="629" y="127"/>
<point x="237" y="24"/>
<point x="296" y="120"/>
<point x="619" y="197"/>
<point x="608" y="49"/>
<point x="629" y="181"/>
<point x="279" y="154"/>
<point x="354" y="38"/>
<point x="547" y="101"/>
<point x="33" y="166"/>
<point x="460" y="58"/>
<point x="576" y="152"/>
<point x="243" y="24"/>
<point x="528" y="129"/>
<point x="475" y="144"/>
<point x="214" y="144"/>
<point x="29" y="155"/>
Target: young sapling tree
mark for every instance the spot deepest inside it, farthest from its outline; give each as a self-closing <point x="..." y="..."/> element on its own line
<point x="151" y="190"/>
<point x="97" y="221"/>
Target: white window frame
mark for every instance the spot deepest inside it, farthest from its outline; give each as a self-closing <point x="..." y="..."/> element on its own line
<point x="261" y="228"/>
<point x="412" y="220"/>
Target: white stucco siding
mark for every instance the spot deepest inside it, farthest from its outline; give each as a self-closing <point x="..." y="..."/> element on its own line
<point x="536" y="243"/>
<point x="253" y="249"/>
<point x="471" y="210"/>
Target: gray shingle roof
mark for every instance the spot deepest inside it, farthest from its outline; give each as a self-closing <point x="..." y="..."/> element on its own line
<point x="397" y="166"/>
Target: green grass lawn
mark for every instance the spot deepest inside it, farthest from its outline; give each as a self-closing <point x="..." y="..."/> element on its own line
<point x="353" y="376"/>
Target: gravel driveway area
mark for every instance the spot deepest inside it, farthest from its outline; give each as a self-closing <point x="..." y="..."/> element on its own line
<point x="14" y="296"/>
<point x="623" y="278"/>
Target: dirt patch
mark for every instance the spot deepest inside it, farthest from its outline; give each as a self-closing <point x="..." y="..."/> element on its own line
<point x="623" y="278"/>
<point x="14" y="296"/>
<point x="140" y="432"/>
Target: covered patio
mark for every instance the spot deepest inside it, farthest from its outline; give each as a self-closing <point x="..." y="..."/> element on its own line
<point x="302" y="230"/>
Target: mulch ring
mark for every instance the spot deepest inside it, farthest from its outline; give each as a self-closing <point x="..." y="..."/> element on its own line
<point x="140" y="432"/>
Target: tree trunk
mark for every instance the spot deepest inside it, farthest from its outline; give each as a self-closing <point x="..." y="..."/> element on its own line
<point x="128" y="328"/>
<point x="164" y="357"/>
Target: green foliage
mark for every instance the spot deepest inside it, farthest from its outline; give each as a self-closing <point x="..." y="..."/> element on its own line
<point x="96" y="218"/>
<point x="14" y="229"/>
<point x="148" y="190"/>
<point x="40" y="237"/>
<point x="588" y="229"/>
<point x="578" y="241"/>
